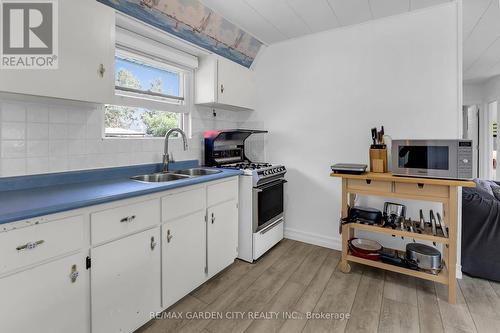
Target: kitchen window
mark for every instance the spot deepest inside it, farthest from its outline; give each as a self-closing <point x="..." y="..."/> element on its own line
<point x="150" y="97"/>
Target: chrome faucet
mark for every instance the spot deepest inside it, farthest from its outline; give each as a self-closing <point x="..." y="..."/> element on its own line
<point x="166" y="157"/>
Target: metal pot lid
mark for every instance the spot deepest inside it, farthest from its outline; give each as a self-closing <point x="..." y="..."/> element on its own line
<point x="422" y="249"/>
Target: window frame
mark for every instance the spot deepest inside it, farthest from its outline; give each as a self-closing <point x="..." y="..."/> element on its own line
<point x="142" y="100"/>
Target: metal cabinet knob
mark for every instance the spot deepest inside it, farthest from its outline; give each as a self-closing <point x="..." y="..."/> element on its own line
<point x="153" y="243"/>
<point x="102" y="70"/>
<point x="221" y="88"/>
<point x="213" y="218"/>
<point x="74" y="274"/>
<point x="169" y="236"/>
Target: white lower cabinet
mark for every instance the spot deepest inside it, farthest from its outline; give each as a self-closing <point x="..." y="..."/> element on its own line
<point x="125" y="282"/>
<point x="145" y="255"/>
<point x="222" y="236"/>
<point x="184" y="257"/>
<point x="48" y="298"/>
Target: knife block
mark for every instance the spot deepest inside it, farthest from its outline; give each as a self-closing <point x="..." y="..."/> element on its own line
<point x="378" y="160"/>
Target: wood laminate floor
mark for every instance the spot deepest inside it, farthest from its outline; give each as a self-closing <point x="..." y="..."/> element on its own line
<point x="295" y="279"/>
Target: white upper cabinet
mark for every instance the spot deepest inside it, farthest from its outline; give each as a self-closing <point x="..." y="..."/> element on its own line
<point x="221" y="83"/>
<point x="86" y="57"/>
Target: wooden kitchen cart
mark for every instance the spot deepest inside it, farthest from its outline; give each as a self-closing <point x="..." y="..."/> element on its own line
<point x="423" y="189"/>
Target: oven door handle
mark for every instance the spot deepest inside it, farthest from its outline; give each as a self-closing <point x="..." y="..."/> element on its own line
<point x="263" y="187"/>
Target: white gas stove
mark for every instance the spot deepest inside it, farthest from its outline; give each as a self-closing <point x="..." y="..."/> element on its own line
<point x="261" y="192"/>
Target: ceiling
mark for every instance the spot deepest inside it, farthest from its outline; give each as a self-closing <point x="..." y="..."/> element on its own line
<point x="273" y="21"/>
<point x="481" y="31"/>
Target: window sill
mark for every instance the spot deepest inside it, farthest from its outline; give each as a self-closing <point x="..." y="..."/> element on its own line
<point x="139" y="138"/>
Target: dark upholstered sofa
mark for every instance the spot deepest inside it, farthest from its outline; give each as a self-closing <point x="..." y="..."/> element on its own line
<point x="481" y="232"/>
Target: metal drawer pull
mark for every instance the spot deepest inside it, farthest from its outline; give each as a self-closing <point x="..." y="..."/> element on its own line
<point x="153" y="243"/>
<point x="213" y="218"/>
<point x="169" y="236"/>
<point x="74" y="274"/>
<point x="420" y="185"/>
<point x="128" y="219"/>
<point x="30" y="245"/>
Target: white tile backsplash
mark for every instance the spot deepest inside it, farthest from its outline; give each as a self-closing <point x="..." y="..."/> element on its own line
<point x="37" y="113"/>
<point x="37" y="148"/>
<point x="40" y="138"/>
<point x="13" y="112"/>
<point x="13" y="149"/>
<point x="13" y="131"/>
<point x="36" y="165"/>
<point x="58" y="131"/>
<point x="37" y="131"/>
<point x="13" y="166"/>
<point x="58" y="114"/>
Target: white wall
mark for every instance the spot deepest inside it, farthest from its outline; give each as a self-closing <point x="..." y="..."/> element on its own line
<point x="319" y="96"/>
<point x="40" y="135"/>
<point x="491" y="89"/>
<point x="473" y="93"/>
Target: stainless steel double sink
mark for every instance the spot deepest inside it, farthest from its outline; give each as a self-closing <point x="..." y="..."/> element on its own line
<point x="171" y="176"/>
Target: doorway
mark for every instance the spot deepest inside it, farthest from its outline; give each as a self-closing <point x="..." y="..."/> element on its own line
<point x="480" y="126"/>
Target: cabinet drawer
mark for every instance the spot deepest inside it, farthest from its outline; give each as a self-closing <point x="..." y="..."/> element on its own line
<point x="181" y="204"/>
<point x="26" y="246"/>
<point x="370" y="185"/>
<point x="222" y="192"/>
<point x="422" y="189"/>
<point x="123" y="220"/>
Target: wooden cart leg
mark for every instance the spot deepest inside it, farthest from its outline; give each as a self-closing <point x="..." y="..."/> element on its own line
<point x="451" y="211"/>
<point x="344" y="265"/>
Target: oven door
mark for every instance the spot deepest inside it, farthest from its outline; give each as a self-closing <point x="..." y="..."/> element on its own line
<point x="268" y="204"/>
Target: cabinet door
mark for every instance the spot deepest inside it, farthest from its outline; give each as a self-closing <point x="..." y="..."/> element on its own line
<point x="183" y="244"/>
<point x="236" y="85"/>
<point x="45" y="299"/>
<point x="222" y="236"/>
<point x="125" y="282"/>
<point x="86" y="40"/>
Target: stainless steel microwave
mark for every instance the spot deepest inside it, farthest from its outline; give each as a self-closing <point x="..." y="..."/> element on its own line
<point x="450" y="159"/>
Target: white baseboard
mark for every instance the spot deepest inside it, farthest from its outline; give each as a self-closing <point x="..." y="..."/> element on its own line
<point x="334" y="243"/>
<point x="459" y="271"/>
<point x="313" y="238"/>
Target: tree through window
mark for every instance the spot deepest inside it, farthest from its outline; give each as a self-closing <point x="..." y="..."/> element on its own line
<point x="140" y="81"/>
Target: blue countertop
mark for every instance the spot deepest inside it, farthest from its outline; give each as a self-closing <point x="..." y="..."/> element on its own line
<point x="31" y="196"/>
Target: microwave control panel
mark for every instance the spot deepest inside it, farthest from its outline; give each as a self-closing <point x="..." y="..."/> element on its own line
<point x="464" y="163"/>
